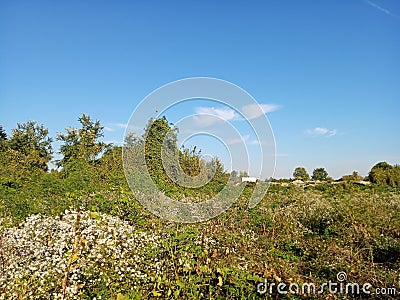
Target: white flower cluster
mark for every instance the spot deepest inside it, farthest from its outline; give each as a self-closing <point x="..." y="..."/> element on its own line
<point x="208" y="242"/>
<point x="318" y="210"/>
<point x="308" y="213"/>
<point x="81" y="251"/>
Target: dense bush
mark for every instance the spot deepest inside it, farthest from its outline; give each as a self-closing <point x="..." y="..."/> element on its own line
<point x="383" y="173"/>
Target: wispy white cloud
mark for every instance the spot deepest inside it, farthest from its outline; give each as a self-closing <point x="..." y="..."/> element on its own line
<point x="223" y="113"/>
<point x="238" y="140"/>
<point x="321" y="131"/>
<point x="245" y="139"/>
<point x="382" y="9"/>
<point x="253" y="111"/>
<point x="255" y="142"/>
<point x="118" y="126"/>
<point x="207" y="116"/>
<point x="206" y="120"/>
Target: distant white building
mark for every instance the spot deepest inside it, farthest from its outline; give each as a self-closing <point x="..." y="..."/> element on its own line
<point x="249" y="179"/>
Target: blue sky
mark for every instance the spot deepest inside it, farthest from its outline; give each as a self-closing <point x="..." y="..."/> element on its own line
<point x="331" y="68"/>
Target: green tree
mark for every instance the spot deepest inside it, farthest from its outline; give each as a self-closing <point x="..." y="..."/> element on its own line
<point x="216" y="167"/>
<point x="319" y="174"/>
<point x="243" y="174"/>
<point x="234" y="176"/>
<point x="110" y="168"/>
<point x="301" y="173"/>
<point x="25" y="155"/>
<point x="160" y="139"/>
<point x="3" y="134"/>
<point x="379" y="173"/>
<point x="167" y="164"/>
<point x="356" y="176"/>
<point x="382" y="166"/>
<point x="132" y="140"/>
<point x="190" y="161"/>
<point x="33" y="145"/>
<point x="3" y="139"/>
<point x="385" y="174"/>
<point x="395" y="176"/>
<point x="82" y="144"/>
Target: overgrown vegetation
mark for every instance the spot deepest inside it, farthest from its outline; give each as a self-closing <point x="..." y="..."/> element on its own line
<point x="78" y="232"/>
<point x="383" y="173"/>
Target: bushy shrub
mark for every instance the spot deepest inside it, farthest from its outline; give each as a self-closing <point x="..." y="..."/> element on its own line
<point x="385" y="174"/>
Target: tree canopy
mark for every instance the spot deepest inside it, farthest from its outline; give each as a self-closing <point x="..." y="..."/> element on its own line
<point x="3" y="134"/>
<point x="320" y="174"/>
<point x="301" y="174"/>
<point x="82" y="144"/>
<point x="384" y="173"/>
<point x="31" y="145"/>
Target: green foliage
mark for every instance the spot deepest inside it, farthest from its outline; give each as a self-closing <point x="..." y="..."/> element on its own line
<point x="234" y="176"/>
<point x="352" y="177"/>
<point x="382" y="166"/>
<point x="3" y="134"/>
<point x="24" y="155"/>
<point x="33" y="145"/>
<point x="301" y="173"/>
<point x="190" y="161"/>
<point x="384" y="174"/>
<point x="82" y="144"/>
<point x="319" y="174"/>
<point x="243" y="174"/>
<point x="160" y="140"/>
<point x="109" y="167"/>
<point x="168" y="165"/>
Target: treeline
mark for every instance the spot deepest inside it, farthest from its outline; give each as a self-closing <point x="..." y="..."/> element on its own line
<point x="26" y="154"/>
<point x="87" y="165"/>
<point x="87" y="162"/>
<point x="382" y="174"/>
<point x="89" y="172"/>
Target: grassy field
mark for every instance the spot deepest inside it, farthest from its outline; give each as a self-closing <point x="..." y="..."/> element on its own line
<point x="58" y="244"/>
